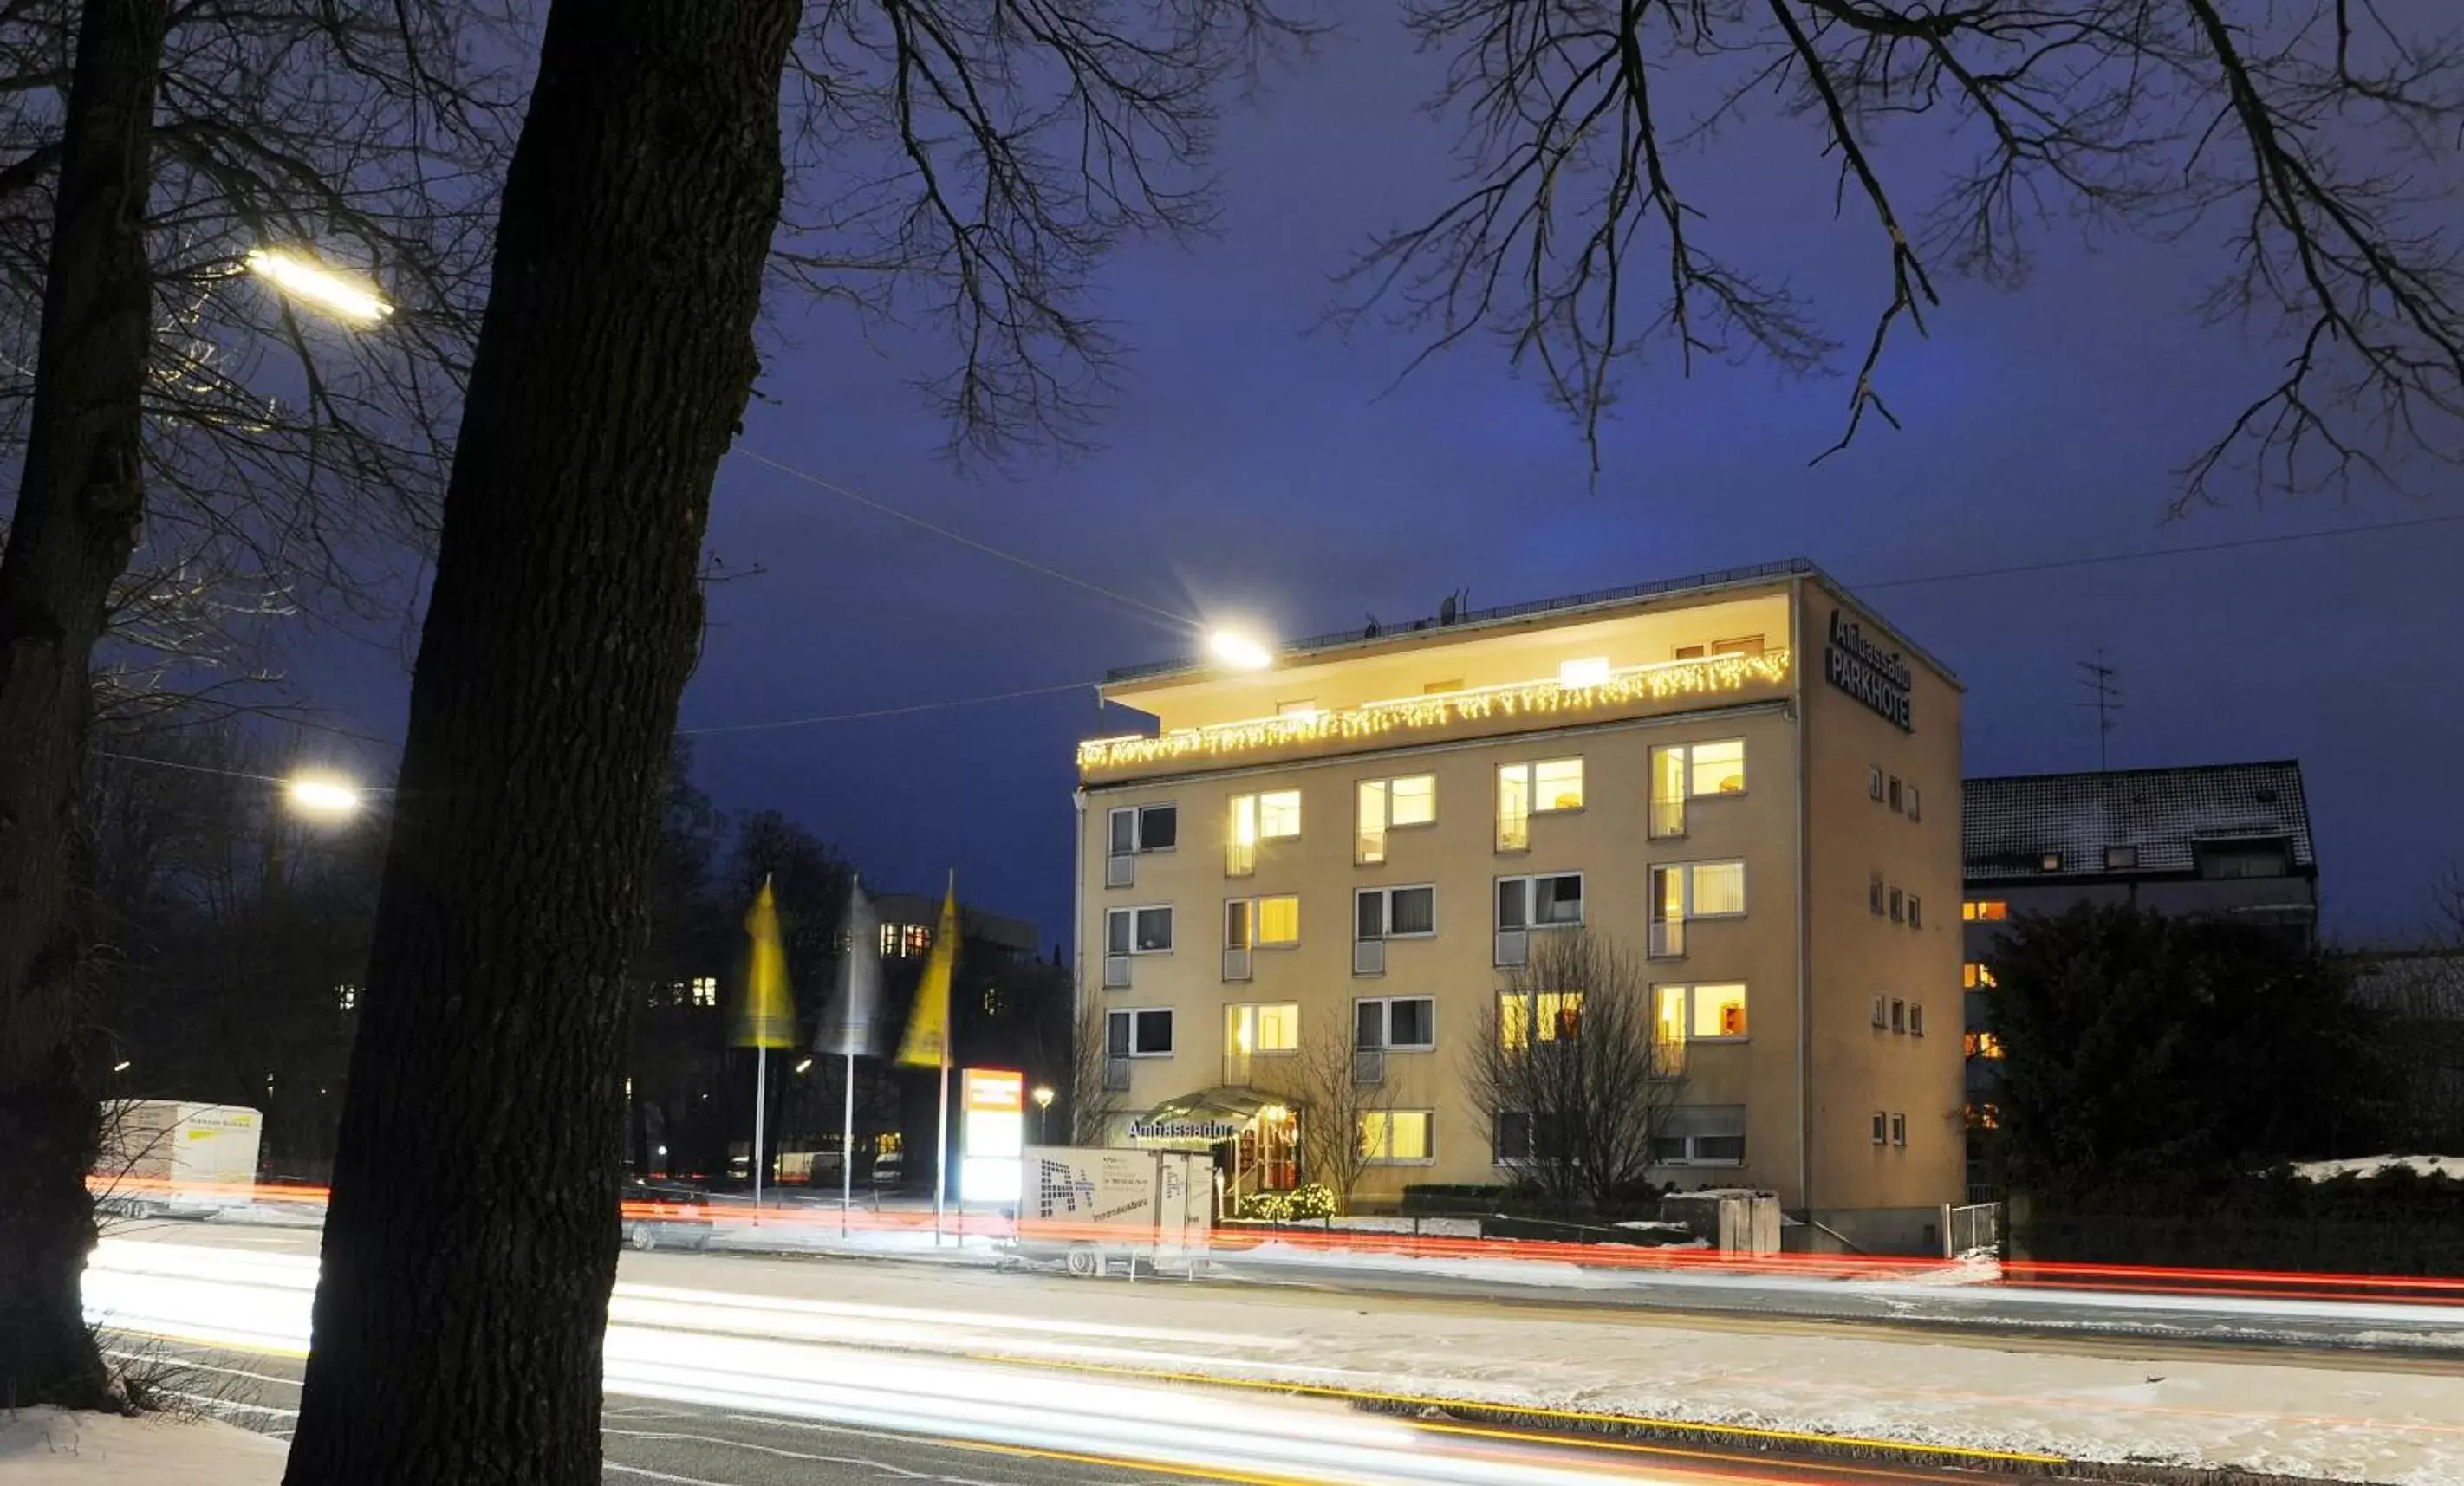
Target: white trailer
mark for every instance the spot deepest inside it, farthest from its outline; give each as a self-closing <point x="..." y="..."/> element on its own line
<point x="1091" y="1206"/>
<point x="168" y="1158"/>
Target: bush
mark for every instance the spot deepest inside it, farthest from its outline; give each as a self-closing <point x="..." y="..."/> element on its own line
<point x="1308" y="1203"/>
<point x="1312" y="1201"/>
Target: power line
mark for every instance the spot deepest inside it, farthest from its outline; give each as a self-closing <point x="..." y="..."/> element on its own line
<point x="172" y="763"/>
<point x="2151" y="553"/>
<point x="2050" y="565"/>
<point x="1177" y="620"/>
<point x="225" y="773"/>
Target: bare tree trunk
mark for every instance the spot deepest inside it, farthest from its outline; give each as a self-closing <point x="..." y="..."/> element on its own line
<point x="74" y="527"/>
<point x="471" y="1241"/>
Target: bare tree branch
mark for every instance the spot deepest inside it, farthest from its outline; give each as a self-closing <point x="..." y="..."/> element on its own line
<point x="2319" y="138"/>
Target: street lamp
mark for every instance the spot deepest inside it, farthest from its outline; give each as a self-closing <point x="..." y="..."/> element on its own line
<point x="1240" y="651"/>
<point x="322" y="797"/>
<point x="303" y="277"/>
<point x="1043" y="1102"/>
<point x="804" y="1066"/>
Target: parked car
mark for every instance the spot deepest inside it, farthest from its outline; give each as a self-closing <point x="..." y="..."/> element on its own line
<point x="666" y="1213"/>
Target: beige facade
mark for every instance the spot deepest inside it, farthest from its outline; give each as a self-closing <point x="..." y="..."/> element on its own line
<point x="1518" y="746"/>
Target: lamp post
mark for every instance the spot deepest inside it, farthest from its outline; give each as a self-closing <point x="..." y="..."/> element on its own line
<point x="1043" y="1102"/>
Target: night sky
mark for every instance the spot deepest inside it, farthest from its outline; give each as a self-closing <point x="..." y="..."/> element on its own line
<point x="1252" y="466"/>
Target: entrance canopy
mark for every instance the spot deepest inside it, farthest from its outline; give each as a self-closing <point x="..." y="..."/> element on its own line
<point x="1198" y="1122"/>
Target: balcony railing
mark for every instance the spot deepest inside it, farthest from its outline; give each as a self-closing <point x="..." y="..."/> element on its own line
<point x="1667" y="818"/>
<point x="1667" y="938"/>
<point x="1393" y="721"/>
<point x="1369" y="1067"/>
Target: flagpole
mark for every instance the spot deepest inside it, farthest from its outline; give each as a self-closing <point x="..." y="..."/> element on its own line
<point x="941" y="1142"/>
<point x="846" y="1149"/>
<point x="760" y="1096"/>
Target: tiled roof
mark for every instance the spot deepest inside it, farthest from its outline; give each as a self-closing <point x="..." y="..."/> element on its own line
<point x="2009" y="825"/>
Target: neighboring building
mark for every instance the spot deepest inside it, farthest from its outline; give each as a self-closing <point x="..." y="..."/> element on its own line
<point x="2209" y="841"/>
<point x="1746" y="775"/>
<point x="907" y="919"/>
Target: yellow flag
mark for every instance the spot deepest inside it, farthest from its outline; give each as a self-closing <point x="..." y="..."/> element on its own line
<point x="927" y="1045"/>
<point x="767" y="1014"/>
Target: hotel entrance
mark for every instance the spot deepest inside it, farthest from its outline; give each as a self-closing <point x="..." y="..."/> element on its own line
<point x="1253" y="1137"/>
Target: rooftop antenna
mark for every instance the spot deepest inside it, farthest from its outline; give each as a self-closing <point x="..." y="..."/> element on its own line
<point x="2098" y="680"/>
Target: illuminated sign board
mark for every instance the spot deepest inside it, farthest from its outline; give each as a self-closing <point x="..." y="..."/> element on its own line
<point x="1877" y="677"/>
<point x="992" y="1133"/>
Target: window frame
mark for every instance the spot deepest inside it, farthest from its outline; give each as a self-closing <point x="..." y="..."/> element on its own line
<point x="1913" y="812"/>
<point x="1690" y="1157"/>
<point x="1874" y="893"/>
<point x="1529" y="770"/>
<point x="1131" y="1015"/>
<point x="1534" y="1014"/>
<point x="1387" y="931"/>
<point x="1900" y="1014"/>
<point x="1899" y="1130"/>
<point x="1916" y="911"/>
<point x="1255" y="903"/>
<point x="1172" y="934"/>
<point x="1874" y="782"/>
<point x="1137" y="815"/>
<point x="1916" y="1018"/>
<point x="1690" y="913"/>
<point x="1690" y="988"/>
<point x="1428" y="1118"/>
<point x="1232" y="1009"/>
<point x="1893" y="795"/>
<point x="1384" y="787"/>
<point x="1530" y="898"/>
<point x="1385" y="1005"/>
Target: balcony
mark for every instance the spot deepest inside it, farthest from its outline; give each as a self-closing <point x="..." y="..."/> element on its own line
<point x="1478" y="711"/>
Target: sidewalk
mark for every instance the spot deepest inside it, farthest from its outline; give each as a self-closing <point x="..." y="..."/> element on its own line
<point x="47" y="1447"/>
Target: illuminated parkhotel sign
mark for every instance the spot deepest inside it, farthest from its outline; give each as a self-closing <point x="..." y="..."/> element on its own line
<point x="1877" y="677"/>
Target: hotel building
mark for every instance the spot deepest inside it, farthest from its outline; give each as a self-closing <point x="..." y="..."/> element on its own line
<point x="1746" y="779"/>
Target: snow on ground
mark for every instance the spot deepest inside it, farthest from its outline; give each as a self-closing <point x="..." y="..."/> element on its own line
<point x="47" y="1447"/>
<point x="2372" y="1166"/>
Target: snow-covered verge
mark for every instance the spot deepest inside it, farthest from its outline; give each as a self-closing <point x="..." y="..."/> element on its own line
<point x="2367" y="1167"/>
<point x="47" y="1447"/>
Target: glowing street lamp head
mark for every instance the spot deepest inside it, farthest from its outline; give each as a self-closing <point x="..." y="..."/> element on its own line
<point x="1238" y="651"/>
<point x="305" y="279"/>
<point x="322" y="796"/>
<point x="1044" y="1096"/>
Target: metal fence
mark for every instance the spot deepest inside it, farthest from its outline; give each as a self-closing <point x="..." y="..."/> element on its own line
<point x="1973" y="1228"/>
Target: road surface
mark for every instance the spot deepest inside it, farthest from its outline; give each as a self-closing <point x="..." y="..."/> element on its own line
<point x="1173" y="1379"/>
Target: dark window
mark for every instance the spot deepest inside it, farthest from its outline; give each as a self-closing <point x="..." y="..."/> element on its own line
<point x="1512" y="1141"/>
<point x="1412" y="1022"/>
<point x="1414" y="911"/>
<point x="2121" y="859"/>
<point x="1153" y="1032"/>
<point x="1159" y="827"/>
<point x="2244" y="858"/>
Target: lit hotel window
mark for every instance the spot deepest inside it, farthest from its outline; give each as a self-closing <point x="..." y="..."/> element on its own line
<point x="1974" y="976"/>
<point x="1984" y="910"/>
<point x="705" y="991"/>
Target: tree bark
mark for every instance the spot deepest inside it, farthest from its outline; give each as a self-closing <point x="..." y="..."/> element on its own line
<point x="471" y="1241"/>
<point x="78" y="505"/>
